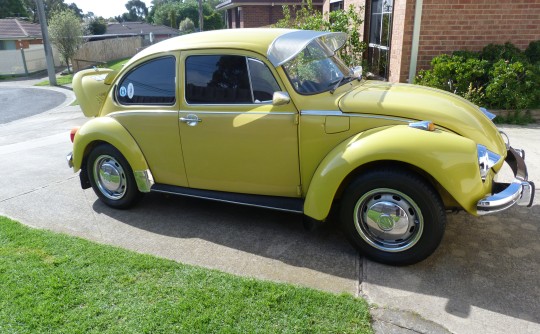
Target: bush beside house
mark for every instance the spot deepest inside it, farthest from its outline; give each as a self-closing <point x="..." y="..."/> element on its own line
<point x="498" y="77"/>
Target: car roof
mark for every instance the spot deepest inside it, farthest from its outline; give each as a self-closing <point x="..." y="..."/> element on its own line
<point x="253" y="39"/>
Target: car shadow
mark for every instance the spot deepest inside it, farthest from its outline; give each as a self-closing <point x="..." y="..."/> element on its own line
<point x="267" y="233"/>
<point x="490" y="262"/>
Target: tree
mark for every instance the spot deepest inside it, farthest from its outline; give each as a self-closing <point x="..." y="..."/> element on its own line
<point x="137" y="11"/>
<point x="66" y="33"/>
<point x="169" y="13"/>
<point x="97" y="26"/>
<point x="12" y="8"/>
<point x="187" y="26"/>
<point x="76" y="10"/>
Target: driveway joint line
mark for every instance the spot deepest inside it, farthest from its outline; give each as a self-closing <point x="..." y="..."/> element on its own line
<point x="37" y="189"/>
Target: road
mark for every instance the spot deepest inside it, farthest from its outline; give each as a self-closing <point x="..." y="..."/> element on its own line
<point x="18" y="102"/>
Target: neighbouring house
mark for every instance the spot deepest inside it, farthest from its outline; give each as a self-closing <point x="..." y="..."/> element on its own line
<point x="403" y="36"/>
<point x="150" y="33"/>
<point x="256" y="13"/>
<point x="21" y="48"/>
<point x="16" y="34"/>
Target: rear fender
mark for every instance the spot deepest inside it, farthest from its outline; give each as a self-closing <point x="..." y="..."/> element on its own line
<point x="450" y="159"/>
<point x="108" y="130"/>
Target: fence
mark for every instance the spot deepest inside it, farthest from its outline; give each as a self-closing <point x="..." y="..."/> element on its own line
<point x="97" y="52"/>
<point x="25" y="61"/>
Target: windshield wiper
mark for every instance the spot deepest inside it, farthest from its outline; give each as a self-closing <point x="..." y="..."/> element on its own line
<point x="339" y="83"/>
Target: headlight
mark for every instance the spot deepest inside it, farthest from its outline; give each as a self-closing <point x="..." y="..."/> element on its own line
<point x="486" y="160"/>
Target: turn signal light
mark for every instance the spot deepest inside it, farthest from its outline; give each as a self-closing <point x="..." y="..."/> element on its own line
<point x="423" y="125"/>
<point x="73" y="132"/>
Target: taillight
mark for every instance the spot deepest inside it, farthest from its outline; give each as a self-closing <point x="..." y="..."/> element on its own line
<point x="73" y="132"/>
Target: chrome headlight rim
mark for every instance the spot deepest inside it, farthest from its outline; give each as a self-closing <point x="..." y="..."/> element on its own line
<point x="486" y="160"/>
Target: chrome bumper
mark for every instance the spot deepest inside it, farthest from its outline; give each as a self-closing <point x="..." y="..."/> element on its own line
<point x="69" y="159"/>
<point x="520" y="191"/>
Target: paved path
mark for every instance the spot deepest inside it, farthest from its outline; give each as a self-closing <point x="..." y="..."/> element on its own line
<point x="483" y="279"/>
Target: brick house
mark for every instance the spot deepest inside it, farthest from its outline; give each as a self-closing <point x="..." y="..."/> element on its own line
<point x="404" y="35"/>
<point x="256" y="13"/>
<point x="16" y="34"/>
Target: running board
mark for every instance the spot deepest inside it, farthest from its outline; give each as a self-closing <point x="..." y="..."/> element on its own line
<point x="288" y="204"/>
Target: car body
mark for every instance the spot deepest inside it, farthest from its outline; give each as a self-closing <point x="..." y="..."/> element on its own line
<point x="273" y="118"/>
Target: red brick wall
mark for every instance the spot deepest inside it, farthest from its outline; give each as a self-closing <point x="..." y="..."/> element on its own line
<point x="471" y="24"/>
<point x="260" y="16"/>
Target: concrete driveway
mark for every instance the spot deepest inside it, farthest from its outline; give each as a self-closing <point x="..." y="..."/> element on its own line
<point x="484" y="278"/>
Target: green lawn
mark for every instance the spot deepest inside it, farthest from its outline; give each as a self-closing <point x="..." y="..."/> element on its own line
<point x="53" y="283"/>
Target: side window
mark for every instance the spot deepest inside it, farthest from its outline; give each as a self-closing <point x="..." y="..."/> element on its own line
<point x="217" y="79"/>
<point x="150" y="83"/>
<point x="263" y="82"/>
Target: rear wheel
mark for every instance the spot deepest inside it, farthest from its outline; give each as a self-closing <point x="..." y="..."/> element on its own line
<point x="111" y="177"/>
<point x="393" y="216"/>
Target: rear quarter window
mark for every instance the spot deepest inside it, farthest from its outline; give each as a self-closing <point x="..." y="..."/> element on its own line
<point x="151" y="83"/>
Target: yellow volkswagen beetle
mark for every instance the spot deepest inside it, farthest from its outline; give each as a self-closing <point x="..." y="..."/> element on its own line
<point x="273" y="118"/>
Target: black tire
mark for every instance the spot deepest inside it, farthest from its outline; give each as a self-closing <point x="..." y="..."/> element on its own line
<point x="112" y="178"/>
<point x="393" y="216"/>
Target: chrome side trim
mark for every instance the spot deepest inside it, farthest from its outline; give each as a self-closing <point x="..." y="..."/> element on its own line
<point x="321" y="112"/>
<point x="140" y="112"/>
<point x="340" y="113"/>
<point x="237" y="112"/>
<point x="144" y="180"/>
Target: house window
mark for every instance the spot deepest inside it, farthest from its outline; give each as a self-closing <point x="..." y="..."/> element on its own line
<point x="380" y="29"/>
<point x="336" y="5"/>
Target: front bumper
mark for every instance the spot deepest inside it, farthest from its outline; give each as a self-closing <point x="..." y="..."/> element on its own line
<point x="520" y="191"/>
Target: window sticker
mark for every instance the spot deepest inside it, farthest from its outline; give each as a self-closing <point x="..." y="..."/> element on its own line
<point x="123" y="91"/>
<point x="130" y="91"/>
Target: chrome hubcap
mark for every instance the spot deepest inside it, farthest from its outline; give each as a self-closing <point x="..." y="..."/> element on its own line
<point x="110" y="177"/>
<point x="388" y="220"/>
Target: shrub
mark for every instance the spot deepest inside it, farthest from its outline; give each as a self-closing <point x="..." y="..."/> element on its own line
<point x="506" y="51"/>
<point x="533" y="52"/>
<point x="513" y="85"/>
<point x="456" y="74"/>
<point x="499" y="77"/>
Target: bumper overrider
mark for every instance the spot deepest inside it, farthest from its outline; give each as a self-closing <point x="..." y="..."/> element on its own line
<point x="520" y="191"/>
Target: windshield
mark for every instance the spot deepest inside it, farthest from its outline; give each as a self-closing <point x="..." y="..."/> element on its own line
<point x="316" y="69"/>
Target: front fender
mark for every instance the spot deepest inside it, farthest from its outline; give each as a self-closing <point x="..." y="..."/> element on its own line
<point x="449" y="158"/>
<point x="107" y="129"/>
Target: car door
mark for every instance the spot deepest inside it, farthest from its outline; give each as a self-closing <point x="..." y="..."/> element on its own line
<point x="233" y="138"/>
<point x="146" y="104"/>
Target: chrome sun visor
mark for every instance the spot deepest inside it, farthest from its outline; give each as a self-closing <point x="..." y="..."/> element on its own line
<point x="287" y="46"/>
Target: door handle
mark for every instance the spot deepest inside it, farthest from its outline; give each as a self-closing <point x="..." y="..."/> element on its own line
<point x="191" y="119"/>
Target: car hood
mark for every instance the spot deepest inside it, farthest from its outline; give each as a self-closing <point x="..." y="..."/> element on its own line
<point x="412" y="102"/>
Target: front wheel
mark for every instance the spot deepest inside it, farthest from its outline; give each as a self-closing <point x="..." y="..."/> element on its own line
<point x="111" y="177"/>
<point x="393" y="216"/>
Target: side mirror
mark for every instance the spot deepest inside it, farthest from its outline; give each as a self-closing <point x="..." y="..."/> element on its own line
<point x="357" y="72"/>
<point x="280" y="98"/>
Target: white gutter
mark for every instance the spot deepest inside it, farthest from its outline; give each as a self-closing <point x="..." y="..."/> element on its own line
<point x="415" y="39"/>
